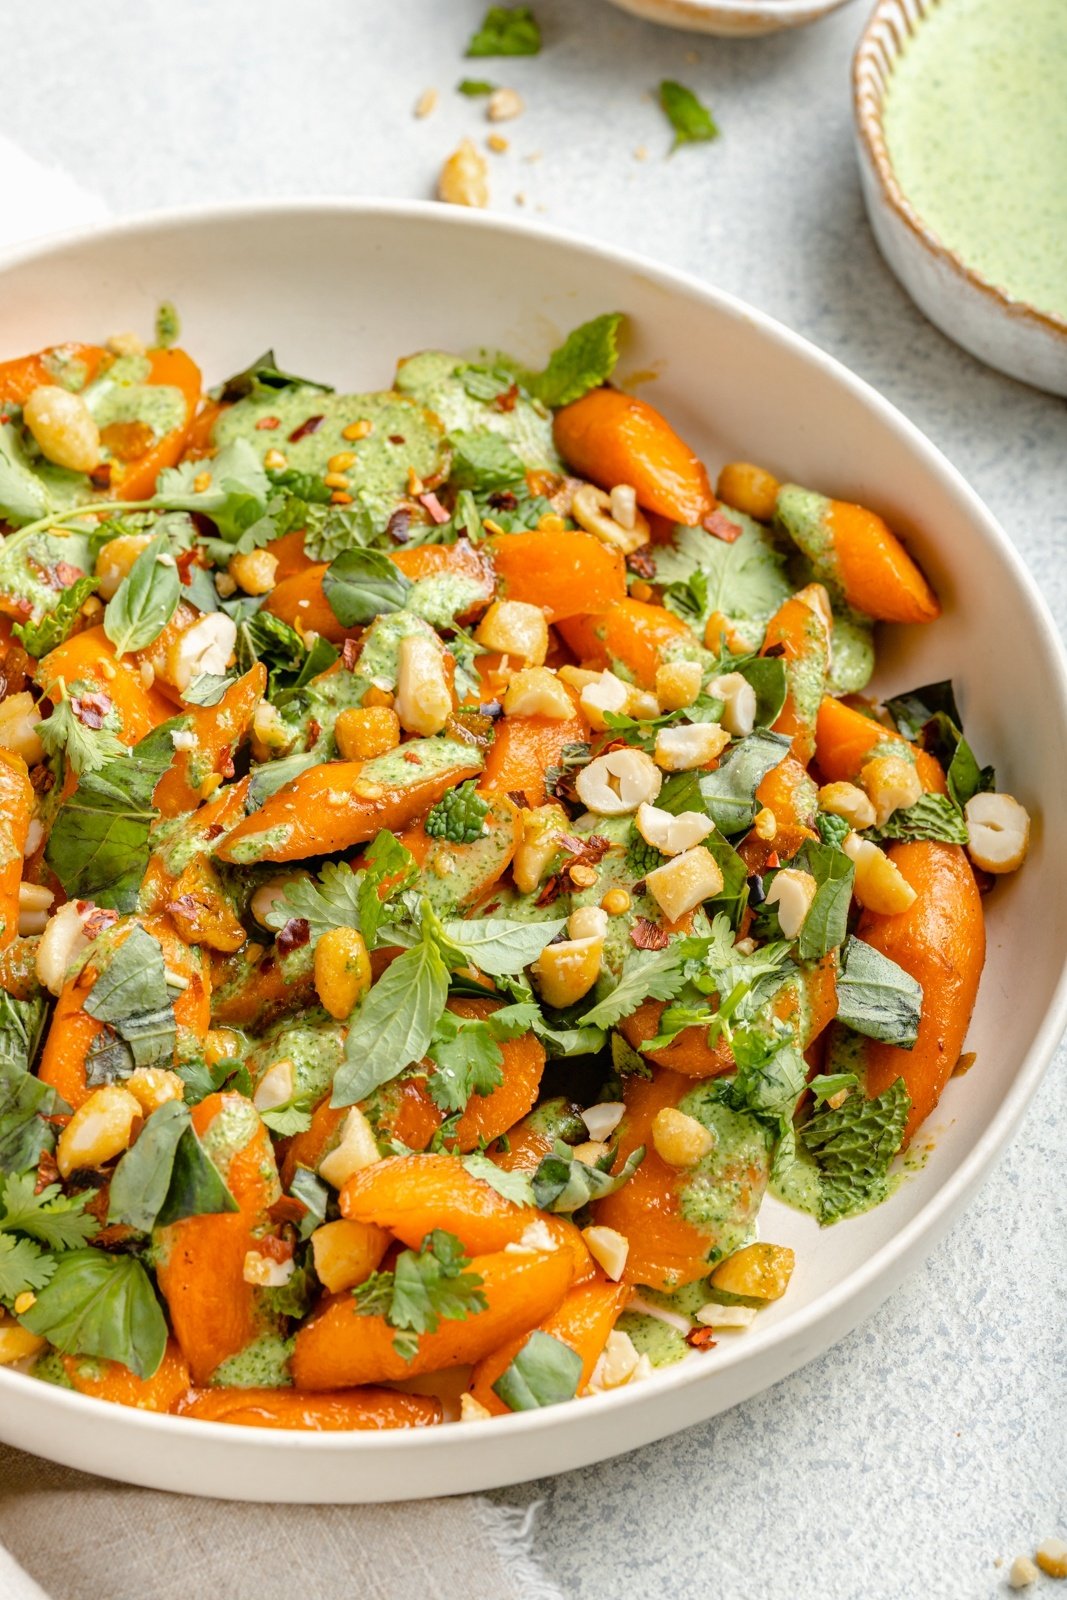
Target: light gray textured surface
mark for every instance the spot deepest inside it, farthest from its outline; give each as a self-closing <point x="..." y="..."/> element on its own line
<point x="931" y="1441"/>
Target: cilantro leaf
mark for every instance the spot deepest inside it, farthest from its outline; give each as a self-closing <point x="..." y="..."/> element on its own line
<point x="363" y="584"/>
<point x="545" y="1372"/>
<point x="483" y="460"/>
<point x="514" y="1186"/>
<point x="853" y="1147"/>
<point x="934" y="816"/>
<point x="506" y="31"/>
<point x="467" y="1060"/>
<point x="877" y="997"/>
<point x="745" y="579"/>
<point x="329" y="901"/>
<point x="394" y="1024"/>
<point x="584" y="361"/>
<point x="459" y="816"/>
<point x="387" y="866"/>
<point x="23" y="1265"/>
<point x="101" y="1305"/>
<point x="646" y="975"/>
<point x="37" y="638"/>
<point x="145" y="600"/>
<point x="424" y="1288"/>
<point x="692" y="122"/>
<point x="564" y="1184"/>
<point x="52" y="1218"/>
<point x="86" y="748"/>
<point x="770" y="1079"/>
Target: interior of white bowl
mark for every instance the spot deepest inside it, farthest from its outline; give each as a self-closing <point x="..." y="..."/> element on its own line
<point x="731" y="17"/>
<point x="341" y="290"/>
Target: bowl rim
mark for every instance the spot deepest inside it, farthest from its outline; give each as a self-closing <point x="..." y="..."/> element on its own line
<point x="861" y="1283"/>
<point x="882" y="41"/>
<point x="782" y="11"/>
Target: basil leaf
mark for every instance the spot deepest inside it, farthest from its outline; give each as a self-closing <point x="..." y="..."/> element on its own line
<point x="825" y="1085"/>
<point x="264" y="374"/>
<point x="167" y="1175"/>
<point x="507" y="31"/>
<point x="131" y="995"/>
<point x="545" y="1372"/>
<point x="24" y="498"/>
<point x="145" y="600"/>
<point x="514" y="1186"/>
<point x="935" y="816"/>
<point x="483" y="460"/>
<point x="101" y="1305"/>
<point x="877" y="997"/>
<point x="826" y="923"/>
<point x="563" y="1184"/>
<point x="394" y="1024"/>
<point x="24" y="1104"/>
<point x="271" y="776"/>
<point x="692" y="122"/>
<point x="913" y="710"/>
<point x="500" y="947"/>
<point x="314" y="1196"/>
<point x="21" y="1025"/>
<point x="206" y="690"/>
<point x="363" y="584"/>
<point x="98" y="845"/>
<point x="584" y="361"/>
<point x="196" y="1187"/>
<point x="729" y="793"/>
<point x="767" y="675"/>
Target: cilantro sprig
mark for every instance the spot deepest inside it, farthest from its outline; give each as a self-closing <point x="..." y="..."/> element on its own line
<point x="425" y="1287"/>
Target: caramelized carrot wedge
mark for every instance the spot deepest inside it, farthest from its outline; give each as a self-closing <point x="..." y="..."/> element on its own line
<point x="524" y="748"/>
<point x="217" y="730"/>
<point x="136" y="479"/>
<point x="110" y="1380"/>
<point x="339" y="1348"/>
<point x="343" y="803"/>
<point x="301" y="601"/>
<point x="633" y="635"/>
<point x="412" y="1195"/>
<point x="342" y="1411"/>
<point x="855" y="553"/>
<point x="566" y="574"/>
<point x="89" y="658"/>
<point x="680" y="1221"/>
<point x="583" y="1321"/>
<point x="200" y="1261"/>
<point x="16" y="810"/>
<point x="460" y="561"/>
<point x="798" y="634"/>
<point x="940" y="940"/>
<point x="477" y="865"/>
<point x="487" y="1116"/>
<point x="790" y="794"/>
<point x="845" y="741"/>
<point x="615" y="438"/>
<point x="20" y="377"/>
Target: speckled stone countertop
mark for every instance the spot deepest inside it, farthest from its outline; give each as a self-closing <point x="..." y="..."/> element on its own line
<point x="932" y="1441"/>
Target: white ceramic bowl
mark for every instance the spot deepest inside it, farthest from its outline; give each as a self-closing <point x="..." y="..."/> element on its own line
<point x="731" y="17"/>
<point x="340" y="290"/>
<point x="1006" y="333"/>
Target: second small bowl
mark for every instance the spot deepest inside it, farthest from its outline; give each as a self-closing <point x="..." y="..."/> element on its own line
<point x="731" y="18"/>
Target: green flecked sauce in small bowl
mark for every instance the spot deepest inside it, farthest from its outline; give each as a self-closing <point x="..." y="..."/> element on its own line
<point x="975" y="122"/>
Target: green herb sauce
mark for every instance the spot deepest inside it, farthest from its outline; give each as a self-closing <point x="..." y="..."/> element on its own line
<point x="976" y="129"/>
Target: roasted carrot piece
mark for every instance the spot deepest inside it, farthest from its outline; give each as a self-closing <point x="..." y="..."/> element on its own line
<point x="339" y="1347"/>
<point x="412" y="1195"/>
<point x="477" y="865"/>
<point x="459" y="560"/>
<point x="89" y="657"/>
<point x="532" y="1138"/>
<point x="487" y="1116"/>
<point x="288" y="552"/>
<point x="855" y="553"/>
<point x="250" y="988"/>
<point x="337" y="805"/>
<point x="636" y="636"/>
<point x="583" y="1321"/>
<point x="678" y="1219"/>
<point x="222" y="812"/>
<point x="615" y="438"/>
<point x="16" y="810"/>
<point x="301" y="602"/>
<point x="790" y="794"/>
<point x="110" y="1380"/>
<point x="136" y="479"/>
<point x="20" y="377"/>
<point x="200" y="1261"/>
<point x="940" y="940"/>
<point x="845" y="741"/>
<point x="342" y="1411"/>
<point x="524" y="748"/>
<point x="798" y="634"/>
<point x="566" y="574"/>
<point x="218" y="730"/>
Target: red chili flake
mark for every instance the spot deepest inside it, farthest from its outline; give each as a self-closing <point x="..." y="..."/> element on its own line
<point x="47" y="1171"/>
<point x="100" y="477"/>
<point x="488" y="910"/>
<point x="22" y="608"/>
<point x="186" y="562"/>
<point x="410" y="755"/>
<point x="518" y="798"/>
<point x="91" y="709"/>
<point x="287" y="1209"/>
<point x="397" y="438"/>
<point x="213" y="830"/>
<point x="721" y="526"/>
<point x="772" y="651"/>
<point x="641" y="564"/>
<point x="98" y="919"/>
<point x="437" y="511"/>
<point x="297" y="932"/>
<point x="273" y="1247"/>
<point x="4" y="418"/>
<point x="772" y="859"/>
<point x="701" y="1338"/>
<point x="268" y="424"/>
<point x="398" y="525"/>
<point x="224" y="763"/>
<point x="312" y="425"/>
<point x="506" y="400"/>
<point x="648" y="935"/>
<point x="185" y="909"/>
<point x="66" y="574"/>
<point x="314" y="729"/>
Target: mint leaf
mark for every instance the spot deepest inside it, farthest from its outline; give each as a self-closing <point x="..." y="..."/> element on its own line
<point x="584" y="361"/>
<point x="459" y="816"/>
<point x="483" y="460"/>
<point x="514" y="1186"/>
<point x="853" y="1147"/>
<point x="506" y="31"/>
<point x="833" y="831"/>
<point x="394" y="1024"/>
<point x="545" y="1372"/>
<point x="145" y="600"/>
<point x="24" y="1104"/>
<point x="101" y="1305"/>
<point x="877" y="997"/>
<point x="935" y="816"/>
<point x="564" y="1184"/>
<point x="363" y="584"/>
<point x="692" y="122"/>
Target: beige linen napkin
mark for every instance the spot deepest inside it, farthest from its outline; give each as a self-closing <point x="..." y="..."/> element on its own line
<point x="85" y="1538"/>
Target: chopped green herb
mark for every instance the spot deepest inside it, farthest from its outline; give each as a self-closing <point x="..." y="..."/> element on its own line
<point x="507" y="31"/>
<point x="425" y="1287"/>
<point x="168" y="325"/>
<point x="692" y="122"/>
<point x="459" y="816"/>
<point x="545" y="1372"/>
<point x="584" y="361"/>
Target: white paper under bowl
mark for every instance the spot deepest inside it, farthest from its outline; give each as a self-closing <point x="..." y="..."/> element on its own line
<point x="341" y="290"/>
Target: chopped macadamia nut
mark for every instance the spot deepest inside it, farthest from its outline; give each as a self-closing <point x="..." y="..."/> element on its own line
<point x="679" y="1139"/>
<point x="847" y="800"/>
<point x="694" y="745"/>
<point x="609" y="1250"/>
<point x="792" y="891"/>
<point x="678" y="684"/>
<point x="602" y="1119"/>
<point x="1051" y="1557"/>
<point x="682" y="883"/>
<point x="618" y="782"/>
<point x="672" y="835"/>
<point x="608" y="693"/>
<point x="1022" y="1573"/>
<point x="1000" y="832"/>
<point x="739" y="702"/>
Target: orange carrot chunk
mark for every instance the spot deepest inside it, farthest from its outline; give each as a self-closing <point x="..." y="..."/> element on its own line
<point x="614" y="438"/>
<point x="566" y="574"/>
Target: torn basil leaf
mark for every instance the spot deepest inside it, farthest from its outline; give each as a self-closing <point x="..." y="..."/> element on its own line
<point x="563" y="1184"/>
<point x="729" y="793"/>
<point x="545" y="1372"/>
<point x="363" y="584"/>
<point x="167" y="1175"/>
<point x="101" y="1305"/>
<point x="876" y="997"/>
<point x="132" y="996"/>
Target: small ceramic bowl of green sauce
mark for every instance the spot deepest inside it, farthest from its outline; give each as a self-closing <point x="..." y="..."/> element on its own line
<point x="961" y="115"/>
